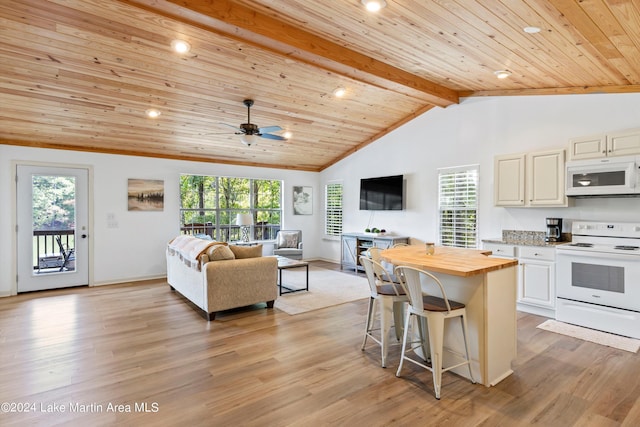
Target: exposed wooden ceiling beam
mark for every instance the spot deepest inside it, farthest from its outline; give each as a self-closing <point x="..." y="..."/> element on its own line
<point x="553" y="91"/>
<point x="245" y="24"/>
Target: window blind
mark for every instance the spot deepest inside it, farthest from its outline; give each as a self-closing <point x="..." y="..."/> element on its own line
<point x="458" y="206"/>
<point x="333" y="209"/>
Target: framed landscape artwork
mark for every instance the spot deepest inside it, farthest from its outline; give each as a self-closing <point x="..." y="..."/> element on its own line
<point x="302" y="200"/>
<point x="145" y="194"/>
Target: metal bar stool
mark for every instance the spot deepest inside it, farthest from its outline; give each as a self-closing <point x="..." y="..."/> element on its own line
<point x="435" y="309"/>
<point x="390" y="297"/>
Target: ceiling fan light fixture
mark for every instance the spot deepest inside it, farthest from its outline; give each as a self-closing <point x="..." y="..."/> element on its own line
<point x="249" y="140"/>
<point x="180" y="46"/>
<point x="152" y="113"/>
<point x="502" y="74"/>
<point x="374" y="5"/>
<point x="287" y="135"/>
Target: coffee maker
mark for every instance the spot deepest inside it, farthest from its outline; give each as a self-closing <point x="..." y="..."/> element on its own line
<point x="554" y="230"/>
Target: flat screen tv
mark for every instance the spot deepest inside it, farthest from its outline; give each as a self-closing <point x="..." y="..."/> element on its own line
<point x="382" y="193"/>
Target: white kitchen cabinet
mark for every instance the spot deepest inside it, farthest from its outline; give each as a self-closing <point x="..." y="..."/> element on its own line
<point x="509" y="180"/>
<point x="532" y="179"/>
<point x="537" y="280"/>
<point x="622" y="143"/>
<point x="588" y="147"/>
<point x="536" y="275"/>
<point x="545" y="178"/>
<point x="501" y="250"/>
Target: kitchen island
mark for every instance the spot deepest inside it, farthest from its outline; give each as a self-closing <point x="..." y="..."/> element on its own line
<point x="487" y="286"/>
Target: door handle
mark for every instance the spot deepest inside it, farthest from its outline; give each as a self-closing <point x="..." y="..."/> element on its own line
<point x="84" y="236"/>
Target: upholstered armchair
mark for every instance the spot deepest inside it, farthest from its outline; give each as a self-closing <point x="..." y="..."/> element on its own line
<point x="288" y="244"/>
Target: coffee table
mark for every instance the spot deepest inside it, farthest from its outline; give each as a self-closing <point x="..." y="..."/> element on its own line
<point x="285" y="263"/>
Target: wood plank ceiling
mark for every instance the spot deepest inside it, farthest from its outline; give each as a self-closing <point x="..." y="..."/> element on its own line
<point x="80" y="74"/>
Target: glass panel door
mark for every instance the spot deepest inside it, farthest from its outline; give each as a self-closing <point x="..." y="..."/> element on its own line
<point x="52" y="227"/>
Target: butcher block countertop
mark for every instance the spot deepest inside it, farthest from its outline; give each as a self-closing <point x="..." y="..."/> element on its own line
<point x="447" y="260"/>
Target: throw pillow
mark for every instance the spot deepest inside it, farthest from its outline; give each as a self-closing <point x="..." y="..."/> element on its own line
<point x="219" y="252"/>
<point x="288" y="239"/>
<point x="246" y="251"/>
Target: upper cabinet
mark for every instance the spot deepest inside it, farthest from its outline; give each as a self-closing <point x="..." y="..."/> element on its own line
<point x="532" y="179"/>
<point x="545" y="178"/>
<point x="622" y="143"/>
<point x="508" y="181"/>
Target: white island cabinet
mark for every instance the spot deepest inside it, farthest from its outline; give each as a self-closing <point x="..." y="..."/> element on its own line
<point x="487" y="286"/>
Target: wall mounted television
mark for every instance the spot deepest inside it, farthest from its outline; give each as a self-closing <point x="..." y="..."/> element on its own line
<point x="382" y="193"/>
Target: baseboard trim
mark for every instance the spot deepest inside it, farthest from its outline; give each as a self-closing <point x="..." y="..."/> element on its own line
<point x="135" y="279"/>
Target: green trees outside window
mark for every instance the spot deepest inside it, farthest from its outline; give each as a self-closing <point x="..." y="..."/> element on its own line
<point x="210" y="204"/>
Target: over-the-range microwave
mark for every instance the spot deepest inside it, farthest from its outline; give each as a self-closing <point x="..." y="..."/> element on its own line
<point x="609" y="176"/>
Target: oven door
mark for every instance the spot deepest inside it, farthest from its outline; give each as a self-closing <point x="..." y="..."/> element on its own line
<point x="601" y="177"/>
<point x="611" y="280"/>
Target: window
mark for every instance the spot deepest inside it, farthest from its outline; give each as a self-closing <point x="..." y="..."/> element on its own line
<point x="333" y="209"/>
<point x="458" y="206"/>
<point x="210" y="205"/>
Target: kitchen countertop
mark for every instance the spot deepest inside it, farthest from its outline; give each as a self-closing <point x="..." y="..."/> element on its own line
<point x="447" y="260"/>
<point x="526" y="238"/>
<point x="522" y="242"/>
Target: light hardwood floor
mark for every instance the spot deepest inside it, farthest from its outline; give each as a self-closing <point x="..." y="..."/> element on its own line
<point x="140" y="344"/>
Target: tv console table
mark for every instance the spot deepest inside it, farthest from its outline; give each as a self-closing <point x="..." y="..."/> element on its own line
<point x="356" y="244"/>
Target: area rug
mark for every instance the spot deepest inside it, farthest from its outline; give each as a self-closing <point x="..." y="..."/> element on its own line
<point x="586" y="334"/>
<point x="326" y="288"/>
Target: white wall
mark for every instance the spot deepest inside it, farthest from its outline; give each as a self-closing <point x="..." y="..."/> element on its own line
<point x="135" y="249"/>
<point x="472" y="133"/>
<point x="469" y="133"/>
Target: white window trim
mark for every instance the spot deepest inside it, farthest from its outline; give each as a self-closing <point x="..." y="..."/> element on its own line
<point x="453" y="170"/>
<point x="326" y="186"/>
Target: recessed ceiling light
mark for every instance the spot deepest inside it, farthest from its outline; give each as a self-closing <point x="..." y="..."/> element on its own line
<point x="152" y="113"/>
<point x="502" y="74"/>
<point x="531" y="30"/>
<point x="180" y="46"/>
<point x="339" y="92"/>
<point x="374" y="5"/>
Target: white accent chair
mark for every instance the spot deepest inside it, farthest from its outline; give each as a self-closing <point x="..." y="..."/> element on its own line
<point x="288" y="244"/>
<point x="390" y="299"/>
<point x="435" y="309"/>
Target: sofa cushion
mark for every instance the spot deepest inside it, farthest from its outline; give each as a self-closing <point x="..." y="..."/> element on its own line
<point x="246" y="251"/>
<point x="219" y="252"/>
<point x="288" y="239"/>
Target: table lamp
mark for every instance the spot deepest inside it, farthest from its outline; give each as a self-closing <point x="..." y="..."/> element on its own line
<point x="244" y="220"/>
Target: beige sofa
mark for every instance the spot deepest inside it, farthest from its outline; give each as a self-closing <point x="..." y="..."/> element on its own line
<point x="215" y="277"/>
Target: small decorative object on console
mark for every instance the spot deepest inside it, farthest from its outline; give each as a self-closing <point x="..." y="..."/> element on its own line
<point x="375" y="231"/>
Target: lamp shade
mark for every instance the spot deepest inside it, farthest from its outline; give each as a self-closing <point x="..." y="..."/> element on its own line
<point x="244" y="219"/>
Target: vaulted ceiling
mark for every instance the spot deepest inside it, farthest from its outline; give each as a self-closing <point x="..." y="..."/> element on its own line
<point x="80" y="74"/>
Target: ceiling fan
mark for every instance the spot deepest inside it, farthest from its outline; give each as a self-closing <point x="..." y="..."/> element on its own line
<point x="250" y="132"/>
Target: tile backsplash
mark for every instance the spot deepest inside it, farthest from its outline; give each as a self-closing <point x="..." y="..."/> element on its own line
<point x="523" y="237"/>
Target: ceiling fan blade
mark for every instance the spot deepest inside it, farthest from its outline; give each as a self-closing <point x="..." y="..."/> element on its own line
<point x="237" y="129"/>
<point x="269" y="129"/>
<point x="272" y="136"/>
